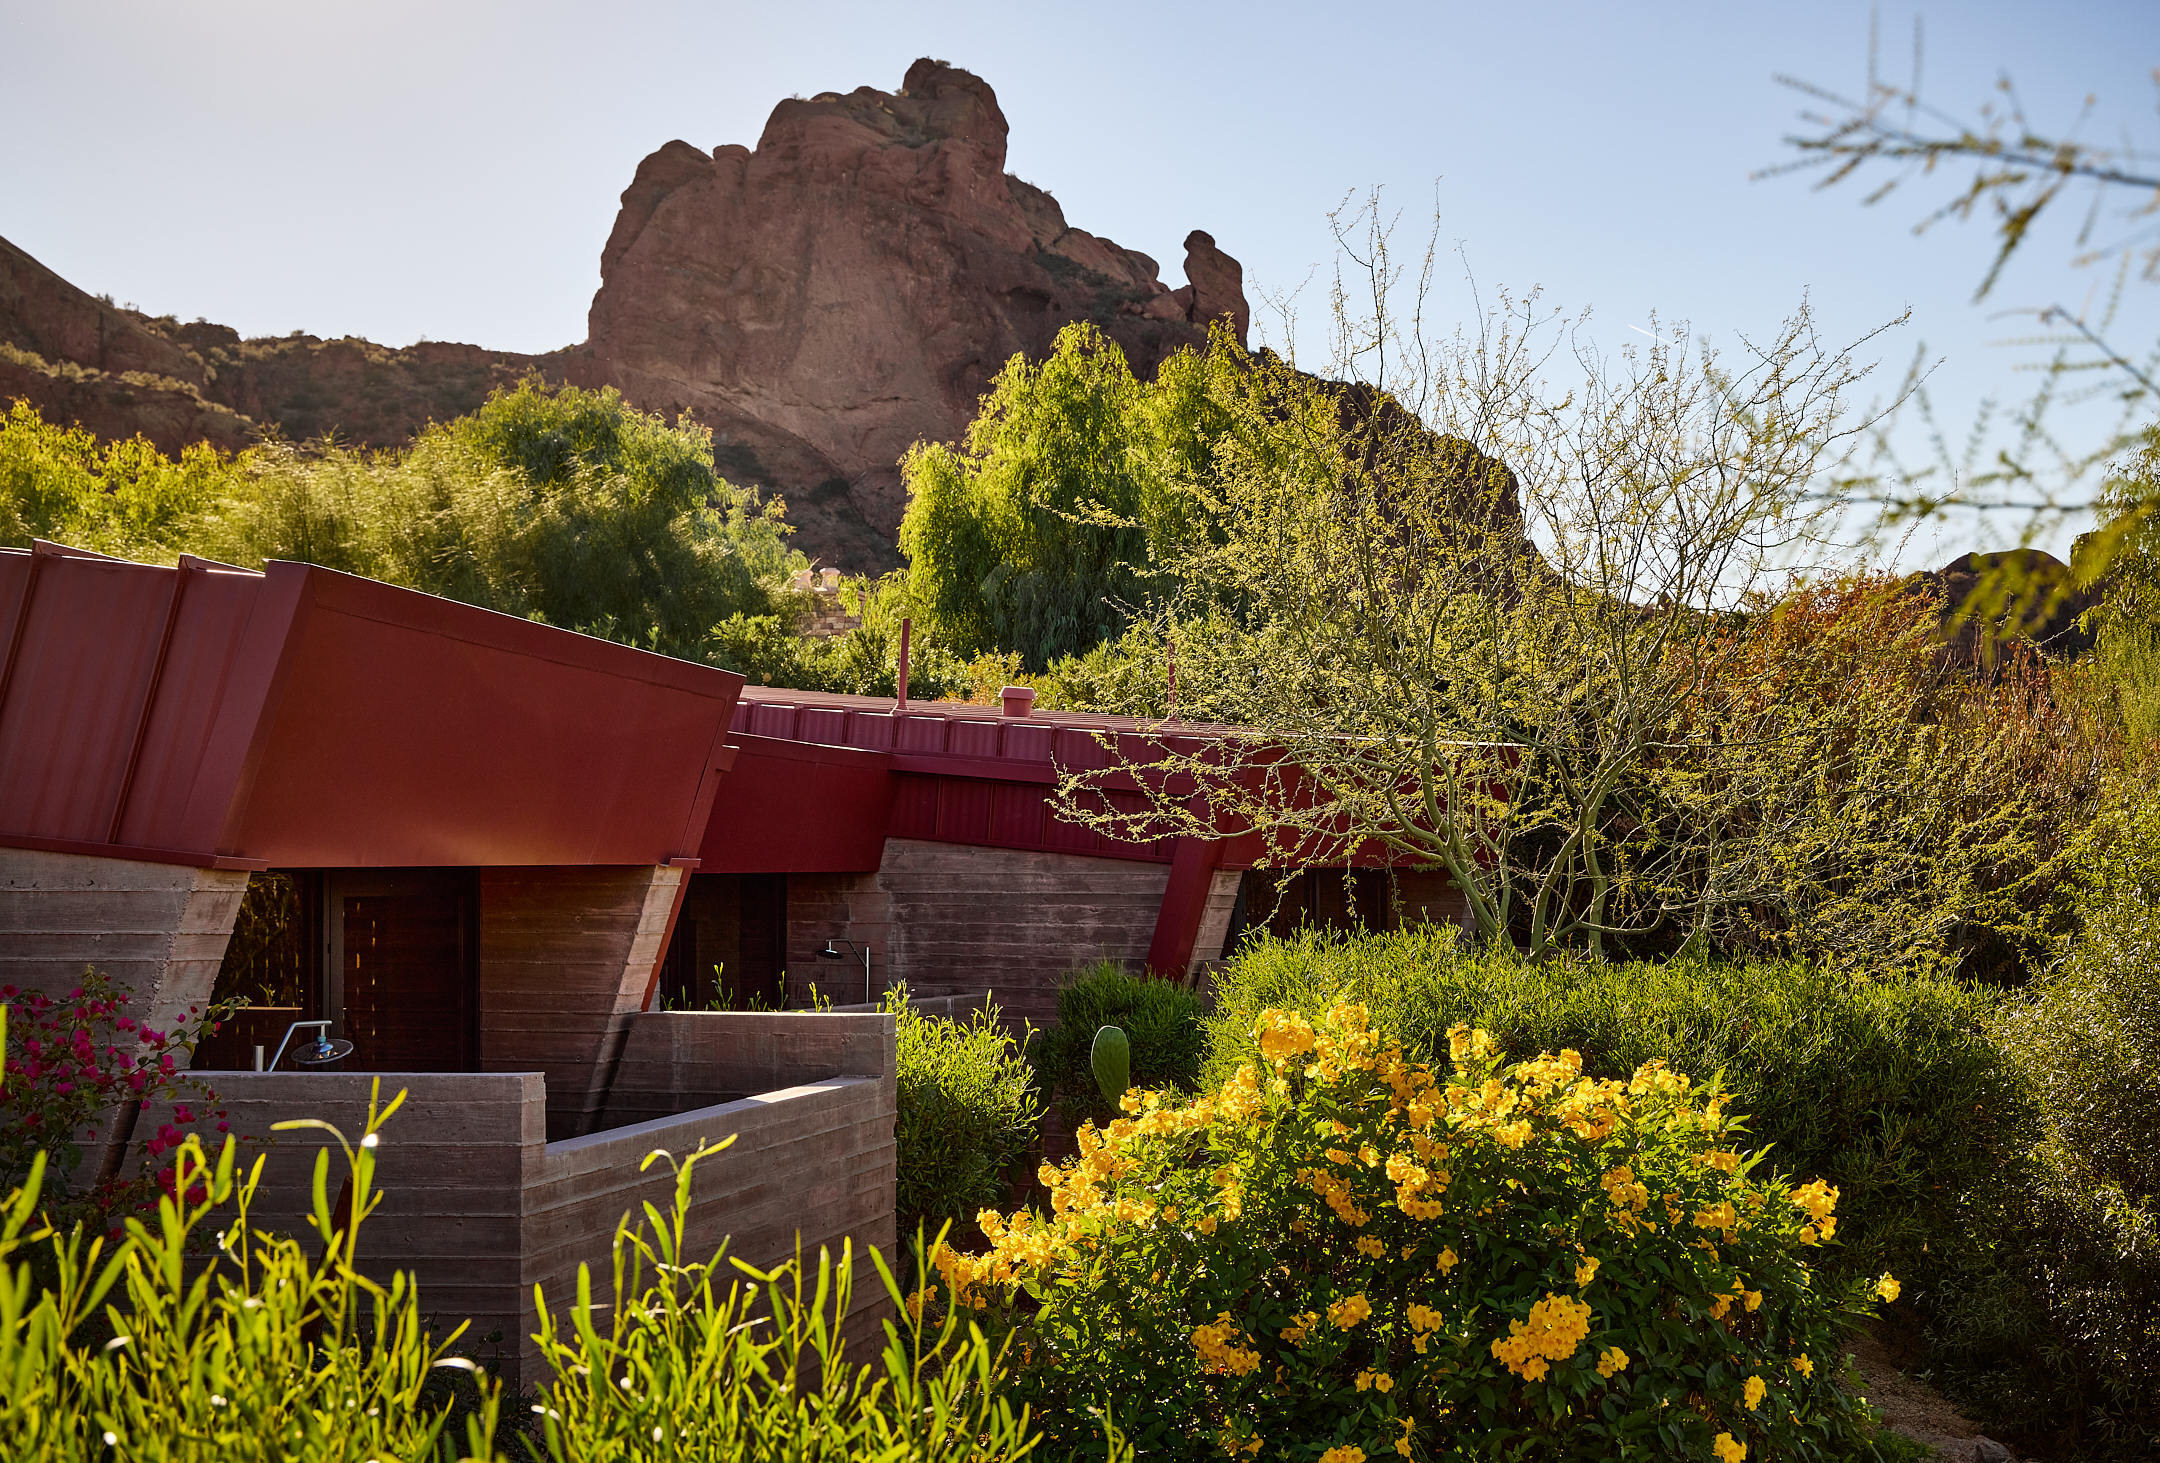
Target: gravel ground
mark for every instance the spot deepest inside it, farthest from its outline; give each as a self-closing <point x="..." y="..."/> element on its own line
<point x="1910" y="1406"/>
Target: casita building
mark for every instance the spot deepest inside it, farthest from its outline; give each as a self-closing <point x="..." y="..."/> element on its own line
<point x="566" y="891"/>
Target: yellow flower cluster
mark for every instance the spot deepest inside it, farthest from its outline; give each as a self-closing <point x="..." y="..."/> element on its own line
<point x="1466" y="1045"/>
<point x="1818" y="1199"/>
<point x="1375" y="1380"/>
<point x="1753" y="1392"/>
<point x="1336" y="1194"/>
<point x="1888" y="1287"/>
<point x="1721" y="1216"/>
<point x="1348" y="1453"/>
<point x="1628" y="1196"/>
<point x="1586" y="1271"/>
<point x="1283" y="1035"/>
<point x="1611" y="1360"/>
<point x="1348" y="1311"/>
<point x="1417" y="1188"/>
<point x="1557" y="1327"/>
<point x="1727" y="1450"/>
<point x="1219" y="1349"/>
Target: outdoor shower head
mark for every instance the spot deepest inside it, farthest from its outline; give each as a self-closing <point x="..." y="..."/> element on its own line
<point x="323" y="1052"/>
<point x="832" y="952"/>
<point x="320" y="1052"/>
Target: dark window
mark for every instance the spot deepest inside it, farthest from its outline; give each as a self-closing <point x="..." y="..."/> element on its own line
<point x="763" y="949"/>
<point x="273" y="962"/>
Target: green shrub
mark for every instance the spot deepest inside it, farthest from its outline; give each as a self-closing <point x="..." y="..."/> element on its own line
<point x="968" y="1111"/>
<point x="2059" y="1346"/>
<point x="1889" y="1089"/>
<point x="1340" y="1255"/>
<point x="124" y="498"/>
<point x="1162" y="1020"/>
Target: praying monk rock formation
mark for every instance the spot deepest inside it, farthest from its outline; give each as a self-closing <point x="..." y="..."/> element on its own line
<point x="850" y="287"/>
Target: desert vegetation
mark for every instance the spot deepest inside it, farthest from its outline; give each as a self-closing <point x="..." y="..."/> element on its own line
<point x="1810" y="977"/>
<point x="1783" y="915"/>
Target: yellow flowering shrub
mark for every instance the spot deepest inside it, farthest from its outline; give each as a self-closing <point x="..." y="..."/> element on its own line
<point x="1343" y="1254"/>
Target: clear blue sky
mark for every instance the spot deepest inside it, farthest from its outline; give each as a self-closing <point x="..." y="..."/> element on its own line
<point x="450" y="170"/>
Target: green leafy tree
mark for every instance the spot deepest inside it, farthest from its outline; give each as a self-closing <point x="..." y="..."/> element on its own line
<point x="553" y="503"/>
<point x="121" y="498"/>
<point x="1036" y="535"/>
<point x="558" y="504"/>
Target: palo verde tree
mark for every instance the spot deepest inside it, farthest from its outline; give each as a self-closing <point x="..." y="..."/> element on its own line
<point x="1896" y="140"/>
<point x="1477" y="606"/>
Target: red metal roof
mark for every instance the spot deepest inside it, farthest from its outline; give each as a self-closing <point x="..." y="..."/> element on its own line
<point x="822" y="780"/>
<point x="807" y="783"/>
<point x="306" y="718"/>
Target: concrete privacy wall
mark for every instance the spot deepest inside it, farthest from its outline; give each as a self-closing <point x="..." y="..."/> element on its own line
<point x="565" y="955"/>
<point x="159" y="930"/>
<point x="951" y="919"/>
<point x="678" y="1060"/>
<point x="479" y="1207"/>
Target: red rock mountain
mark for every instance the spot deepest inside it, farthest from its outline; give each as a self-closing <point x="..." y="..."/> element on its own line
<point x="851" y="285"/>
<point x="823" y="301"/>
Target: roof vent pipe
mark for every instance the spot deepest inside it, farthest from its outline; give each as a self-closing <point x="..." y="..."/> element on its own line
<point x="1019" y="700"/>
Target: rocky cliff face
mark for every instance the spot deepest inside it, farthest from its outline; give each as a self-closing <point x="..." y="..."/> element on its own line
<point x="1993" y="603"/>
<point x="79" y="358"/>
<point x="851" y="285"/>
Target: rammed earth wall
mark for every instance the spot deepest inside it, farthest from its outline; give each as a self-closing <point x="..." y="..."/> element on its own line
<point x="159" y="930"/>
<point x="480" y="1207"/>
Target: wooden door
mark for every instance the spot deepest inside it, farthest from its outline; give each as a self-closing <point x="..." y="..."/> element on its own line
<point x="408" y="988"/>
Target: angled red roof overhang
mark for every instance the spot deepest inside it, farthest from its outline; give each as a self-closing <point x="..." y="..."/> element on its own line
<point x="823" y="780"/>
<point x="301" y="717"/>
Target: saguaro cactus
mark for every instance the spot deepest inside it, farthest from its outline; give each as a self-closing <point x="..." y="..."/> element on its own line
<point x="1111" y="1057"/>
